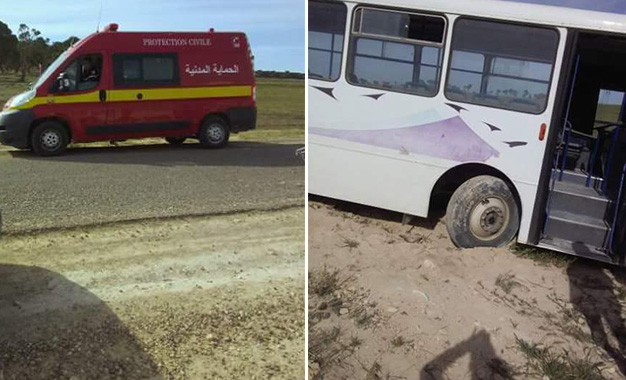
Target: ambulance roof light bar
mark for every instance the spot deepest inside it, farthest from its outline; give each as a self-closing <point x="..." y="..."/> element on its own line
<point x="111" y="28"/>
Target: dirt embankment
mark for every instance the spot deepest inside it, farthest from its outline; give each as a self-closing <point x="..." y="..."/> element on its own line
<point x="393" y="301"/>
<point x="194" y="298"/>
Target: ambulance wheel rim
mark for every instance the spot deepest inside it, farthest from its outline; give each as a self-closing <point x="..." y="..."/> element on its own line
<point x="50" y="139"/>
<point x="215" y="132"/>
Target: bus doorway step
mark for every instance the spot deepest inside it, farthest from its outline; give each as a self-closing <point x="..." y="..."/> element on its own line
<point x="576" y="248"/>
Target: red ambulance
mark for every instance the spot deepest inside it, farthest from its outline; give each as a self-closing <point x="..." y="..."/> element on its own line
<point x="121" y="85"/>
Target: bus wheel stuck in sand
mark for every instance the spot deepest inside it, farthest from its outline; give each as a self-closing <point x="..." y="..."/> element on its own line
<point x="127" y="85"/>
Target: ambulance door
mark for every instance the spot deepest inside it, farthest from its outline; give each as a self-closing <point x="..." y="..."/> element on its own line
<point x="79" y="95"/>
<point x="144" y="86"/>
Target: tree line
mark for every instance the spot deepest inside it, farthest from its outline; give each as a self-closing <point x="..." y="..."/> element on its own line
<point x="279" y="74"/>
<point x="28" y="49"/>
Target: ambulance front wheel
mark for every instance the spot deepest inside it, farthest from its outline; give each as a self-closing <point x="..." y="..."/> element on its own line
<point x="49" y="139"/>
<point x="214" y="132"/>
<point x="482" y="212"/>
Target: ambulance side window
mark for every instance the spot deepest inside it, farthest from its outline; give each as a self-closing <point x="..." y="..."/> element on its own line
<point x="90" y="69"/>
<point x="145" y="70"/>
<point x="158" y="68"/>
<point x="131" y="69"/>
<point x="69" y="78"/>
<point x="82" y="74"/>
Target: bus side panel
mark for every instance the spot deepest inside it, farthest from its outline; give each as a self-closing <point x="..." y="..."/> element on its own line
<point x="397" y="185"/>
<point x="395" y="146"/>
<point x="389" y="152"/>
<point x="367" y="178"/>
<point x="527" y="194"/>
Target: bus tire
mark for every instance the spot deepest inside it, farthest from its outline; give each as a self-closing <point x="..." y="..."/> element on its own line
<point x="175" y="140"/>
<point x="49" y="139"/>
<point x="214" y="133"/>
<point x="482" y="212"/>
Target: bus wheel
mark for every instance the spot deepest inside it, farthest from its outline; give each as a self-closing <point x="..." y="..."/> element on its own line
<point x="482" y="212"/>
<point x="214" y="133"/>
<point x="175" y="140"/>
<point x="49" y="139"/>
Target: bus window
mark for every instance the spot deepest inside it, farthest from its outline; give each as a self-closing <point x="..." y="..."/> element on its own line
<point x="396" y="51"/>
<point x="327" y="23"/>
<point x="501" y="65"/>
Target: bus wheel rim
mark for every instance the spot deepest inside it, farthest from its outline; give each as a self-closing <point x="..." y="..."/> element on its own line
<point x="489" y="218"/>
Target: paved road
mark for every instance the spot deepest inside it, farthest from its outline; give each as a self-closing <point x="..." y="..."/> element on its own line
<point x="98" y="185"/>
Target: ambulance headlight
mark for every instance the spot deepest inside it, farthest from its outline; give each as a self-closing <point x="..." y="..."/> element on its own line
<point x="6" y="105"/>
<point x="20" y="100"/>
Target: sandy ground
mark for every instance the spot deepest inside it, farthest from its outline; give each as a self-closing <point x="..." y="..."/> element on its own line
<point x="393" y="301"/>
<point x="191" y="298"/>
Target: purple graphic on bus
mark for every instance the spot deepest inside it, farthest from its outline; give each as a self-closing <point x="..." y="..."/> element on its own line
<point x="450" y="139"/>
<point x="609" y="6"/>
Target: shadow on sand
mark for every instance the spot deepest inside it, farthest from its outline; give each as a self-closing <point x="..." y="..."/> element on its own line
<point x="484" y="363"/>
<point x="52" y="328"/>
<point x="595" y="292"/>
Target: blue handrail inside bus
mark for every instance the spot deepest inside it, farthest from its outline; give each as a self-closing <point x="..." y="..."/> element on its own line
<point x="553" y="176"/>
<point x="601" y="133"/>
<point x="567" y="132"/>
<point x="618" y="204"/>
<point x="592" y="159"/>
<point x="609" y="161"/>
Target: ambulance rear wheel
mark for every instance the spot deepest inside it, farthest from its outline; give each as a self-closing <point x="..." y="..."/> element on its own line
<point x="214" y="133"/>
<point x="175" y="140"/>
<point x="482" y="212"/>
<point x="49" y="139"/>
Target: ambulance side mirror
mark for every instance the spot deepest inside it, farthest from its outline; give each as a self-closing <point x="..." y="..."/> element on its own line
<point x="63" y="83"/>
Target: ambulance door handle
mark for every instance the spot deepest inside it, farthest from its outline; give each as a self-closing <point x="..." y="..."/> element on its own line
<point x="140" y="96"/>
<point x="103" y="95"/>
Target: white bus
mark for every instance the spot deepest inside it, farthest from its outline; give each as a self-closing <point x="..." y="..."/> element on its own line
<point x="509" y="111"/>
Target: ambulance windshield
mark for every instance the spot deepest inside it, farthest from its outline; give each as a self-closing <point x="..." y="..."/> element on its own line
<point x="52" y="68"/>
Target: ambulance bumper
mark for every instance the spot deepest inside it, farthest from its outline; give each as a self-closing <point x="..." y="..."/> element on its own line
<point x="242" y="119"/>
<point x="14" y="127"/>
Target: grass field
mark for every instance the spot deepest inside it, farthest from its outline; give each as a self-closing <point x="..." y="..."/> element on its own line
<point x="281" y="103"/>
<point x="606" y="112"/>
<point x="280" y="106"/>
<point x="10" y="86"/>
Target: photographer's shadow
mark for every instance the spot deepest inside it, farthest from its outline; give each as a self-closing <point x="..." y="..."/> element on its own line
<point x="484" y="362"/>
<point x="593" y="292"/>
<point x="52" y="328"/>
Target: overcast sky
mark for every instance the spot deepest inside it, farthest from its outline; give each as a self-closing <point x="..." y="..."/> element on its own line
<point x="611" y="6"/>
<point x="275" y="27"/>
